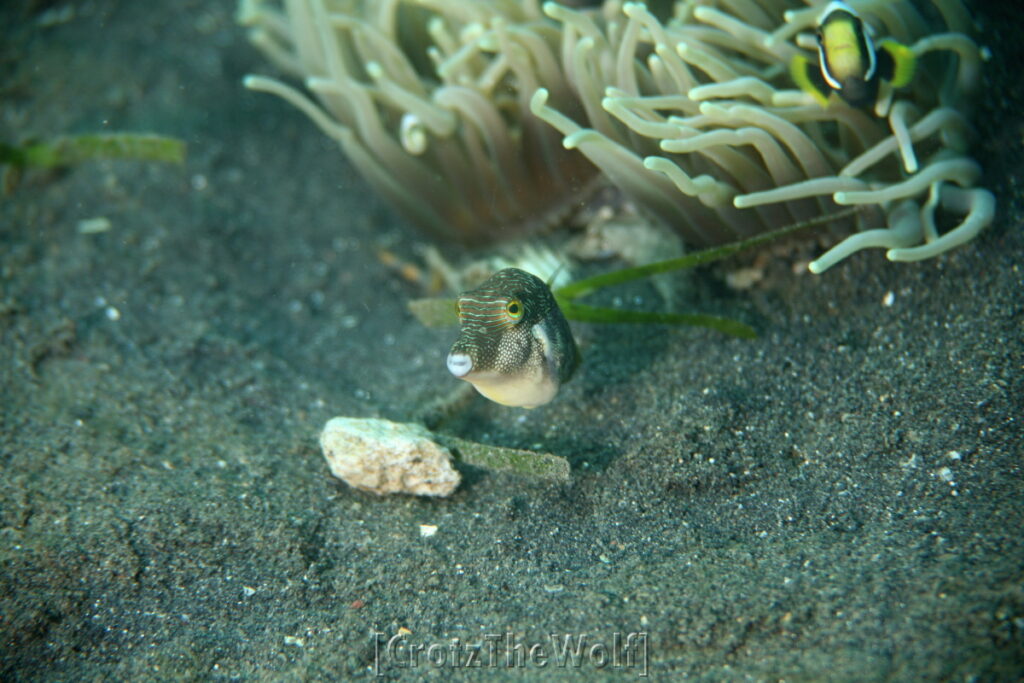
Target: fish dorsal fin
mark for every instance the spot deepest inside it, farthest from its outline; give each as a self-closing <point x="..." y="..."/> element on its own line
<point x="554" y="274"/>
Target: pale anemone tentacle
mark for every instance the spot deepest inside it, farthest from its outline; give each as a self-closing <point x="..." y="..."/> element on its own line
<point x="626" y="169"/>
<point x="435" y="116"/>
<point x="929" y="231"/>
<point x="898" y="115"/>
<point x="445" y="44"/>
<point x="718" y="69"/>
<point x="942" y="120"/>
<point x="413" y="134"/>
<point x="487" y="114"/>
<point x="435" y="119"/>
<point x="743" y="32"/>
<point x="815" y="187"/>
<point x="638" y="12"/>
<point x="799" y="145"/>
<point x="749" y="86"/>
<point x="961" y="170"/>
<point x="754" y="15"/>
<point x="374" y="46"/>
<point x="637" y="117"/>
<point x="711" y="88"/>
<point x="625" y="73"/>
<point x="904" y="229"/>
<point x="978" y="207"/>
<point x="970" y="55"/>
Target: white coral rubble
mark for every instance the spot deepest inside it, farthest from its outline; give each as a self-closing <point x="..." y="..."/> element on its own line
<point x="388" y="457"/>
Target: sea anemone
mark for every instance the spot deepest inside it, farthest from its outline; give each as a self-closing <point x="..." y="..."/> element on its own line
<point x="451" y="108"/>
<point x="697" y="118"/>
<point x="430" y="101"/>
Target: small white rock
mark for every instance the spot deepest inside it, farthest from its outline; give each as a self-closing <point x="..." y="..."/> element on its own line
<point x="93" y="226"/>
<point x="744" y="278"/>
<point x="427" y="530"/>
<point x="387" y="457"/>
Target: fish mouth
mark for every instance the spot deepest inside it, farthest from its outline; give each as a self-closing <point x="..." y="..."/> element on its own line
<point x="459" y="364"/>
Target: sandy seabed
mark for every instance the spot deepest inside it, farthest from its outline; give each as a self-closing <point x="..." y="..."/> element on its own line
<point x="840" y="498"/>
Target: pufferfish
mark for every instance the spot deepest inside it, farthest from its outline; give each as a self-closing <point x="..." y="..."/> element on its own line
<point x="515" y="346"/>
<point x="849" y="63"/>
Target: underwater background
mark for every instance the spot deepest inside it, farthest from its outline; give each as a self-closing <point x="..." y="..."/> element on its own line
<point x="839" y="498"/>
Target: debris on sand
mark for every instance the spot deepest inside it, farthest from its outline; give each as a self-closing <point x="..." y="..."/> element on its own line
<point x="381" y="457"/>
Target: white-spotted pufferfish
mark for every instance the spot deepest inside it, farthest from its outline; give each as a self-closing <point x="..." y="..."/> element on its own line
<point x="515" y="346"/>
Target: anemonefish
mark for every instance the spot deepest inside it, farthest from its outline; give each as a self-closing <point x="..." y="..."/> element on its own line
<point x="849" y="63"/>
<point x="515" y="346"/>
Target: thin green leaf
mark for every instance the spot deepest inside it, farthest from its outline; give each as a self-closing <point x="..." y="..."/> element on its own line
<point x="583" y="287"/>
<point x="11" y="155"/>
<point x="597" y="314"/>
<point x="67" y="151"/>
<point x="434" y="312"/>
<point x="534" y="464"/>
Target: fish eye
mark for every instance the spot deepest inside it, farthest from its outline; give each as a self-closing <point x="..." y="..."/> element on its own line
<point x="514" y="308"/>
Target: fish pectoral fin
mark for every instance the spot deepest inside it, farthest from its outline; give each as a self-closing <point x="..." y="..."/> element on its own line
<point x="547" y="350"/>
<point x="808" y="78"/>
<point x="896" y="62"/>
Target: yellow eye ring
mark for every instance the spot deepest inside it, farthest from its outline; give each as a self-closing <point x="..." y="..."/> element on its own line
<point x="514" y="309"/>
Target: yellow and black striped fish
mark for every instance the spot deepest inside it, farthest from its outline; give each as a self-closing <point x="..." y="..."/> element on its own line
<point x="849" y="63"/>
<point x="515" y="346"/>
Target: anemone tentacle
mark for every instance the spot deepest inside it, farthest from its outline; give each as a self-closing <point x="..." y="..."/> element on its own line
<point x="483" y="119"/>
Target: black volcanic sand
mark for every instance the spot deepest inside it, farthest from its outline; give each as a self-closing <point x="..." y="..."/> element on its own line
<point x="841" y="497"/>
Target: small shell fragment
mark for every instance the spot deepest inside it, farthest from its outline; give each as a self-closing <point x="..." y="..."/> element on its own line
<point x="92" y="226"/>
